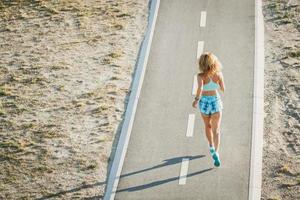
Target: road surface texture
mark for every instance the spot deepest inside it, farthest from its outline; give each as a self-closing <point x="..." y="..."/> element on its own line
<point x="160" y="153"/>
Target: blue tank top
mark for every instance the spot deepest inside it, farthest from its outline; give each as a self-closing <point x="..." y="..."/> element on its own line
<point x="211" y="85"/>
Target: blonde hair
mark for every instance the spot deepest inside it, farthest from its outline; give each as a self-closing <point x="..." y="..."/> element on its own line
<point x="209" y="64"/>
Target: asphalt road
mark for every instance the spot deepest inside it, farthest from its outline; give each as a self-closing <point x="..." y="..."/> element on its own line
<point x="158" y="141"/>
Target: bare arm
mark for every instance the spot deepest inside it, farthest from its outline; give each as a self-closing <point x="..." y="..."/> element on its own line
<point x="199" y="90"/>
<point x="221" y="82"/>
<point x="200" y="86"/>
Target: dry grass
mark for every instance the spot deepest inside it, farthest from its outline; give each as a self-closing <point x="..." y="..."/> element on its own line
<point x="61" y="98"/>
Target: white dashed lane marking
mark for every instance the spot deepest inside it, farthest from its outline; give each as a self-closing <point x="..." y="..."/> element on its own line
<point x="203" y="19"/>
<point x="183" y="171"/>
<point x="190" y="126"/>
<point x="200" y="49"/>
<point x="191" y="119"/>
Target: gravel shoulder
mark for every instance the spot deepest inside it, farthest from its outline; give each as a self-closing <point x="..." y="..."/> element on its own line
<point x="281" y="151"/>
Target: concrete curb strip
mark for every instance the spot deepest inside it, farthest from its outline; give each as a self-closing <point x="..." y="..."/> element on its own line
<point x="258" y="107"/>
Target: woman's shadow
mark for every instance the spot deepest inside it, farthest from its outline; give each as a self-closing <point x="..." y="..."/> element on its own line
<point x="167" y="162"/>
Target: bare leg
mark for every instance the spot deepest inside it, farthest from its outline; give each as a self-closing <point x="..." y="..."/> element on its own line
<point x="215" y="123"/>
<point x="208" y="128"/>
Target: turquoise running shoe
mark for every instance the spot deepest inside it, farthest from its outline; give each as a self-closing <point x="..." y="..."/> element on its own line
<point x="212" y="150"/>
<point x="216" y="158"/>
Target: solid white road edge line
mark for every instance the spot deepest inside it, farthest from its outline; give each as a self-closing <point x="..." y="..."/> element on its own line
<point x="183" y="171"/>
<point x="258" y="108"/>
<point x="113" y="179"/>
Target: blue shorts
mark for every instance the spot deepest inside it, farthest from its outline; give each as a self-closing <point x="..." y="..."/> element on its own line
<point x="210" y="104"/>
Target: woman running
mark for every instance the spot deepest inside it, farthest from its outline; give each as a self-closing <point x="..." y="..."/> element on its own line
<point x="210" y="103"/>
